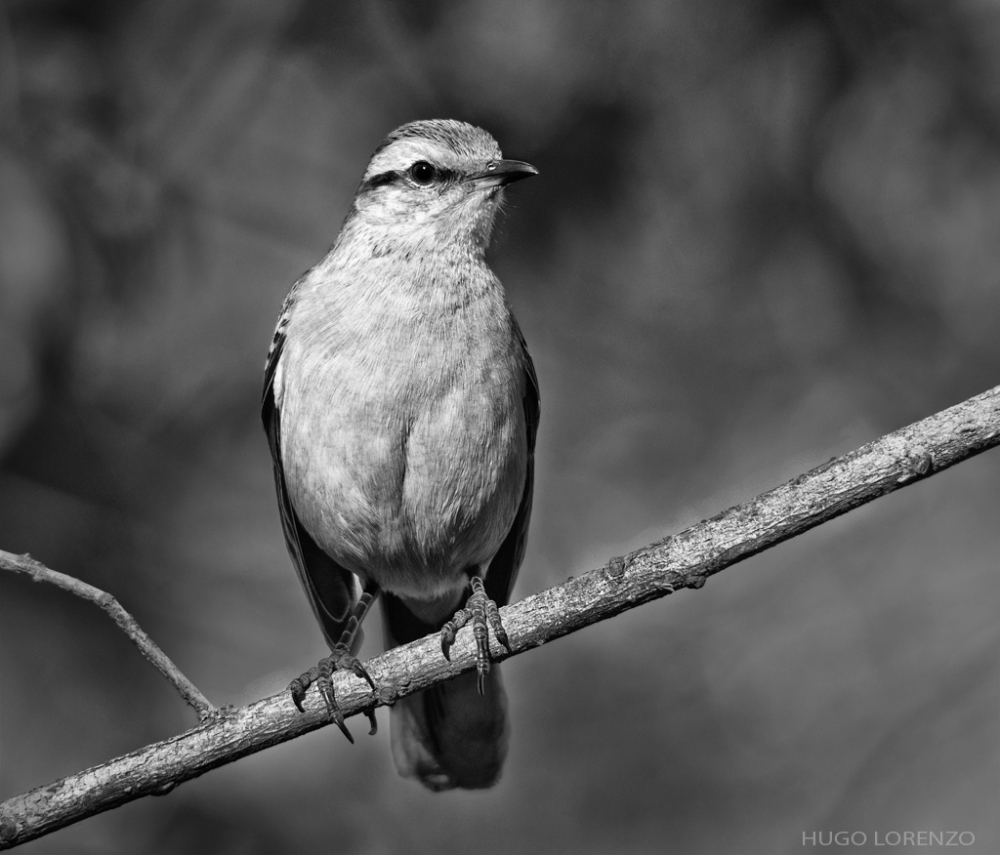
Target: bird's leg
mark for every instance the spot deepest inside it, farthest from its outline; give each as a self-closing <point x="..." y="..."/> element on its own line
<point x="340" y="659"/>
<point x="483" y="613"/>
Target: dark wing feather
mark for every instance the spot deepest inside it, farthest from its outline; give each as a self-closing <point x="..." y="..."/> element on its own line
<point x="329" y="586"/>
<point x="503" y="568"/>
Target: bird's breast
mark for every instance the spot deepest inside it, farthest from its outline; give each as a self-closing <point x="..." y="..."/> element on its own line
<point x="403" y="438"/>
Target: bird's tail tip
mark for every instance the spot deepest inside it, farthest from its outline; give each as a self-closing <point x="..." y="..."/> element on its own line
<point x="450" y="736"/>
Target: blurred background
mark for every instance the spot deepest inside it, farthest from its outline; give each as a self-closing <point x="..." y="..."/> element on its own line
<point x="764" y="234"/>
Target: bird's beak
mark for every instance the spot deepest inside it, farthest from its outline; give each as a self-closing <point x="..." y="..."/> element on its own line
<point x="501" y="172"/>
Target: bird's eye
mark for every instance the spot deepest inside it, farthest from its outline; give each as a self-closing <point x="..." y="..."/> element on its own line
<point x="422" y="173"/>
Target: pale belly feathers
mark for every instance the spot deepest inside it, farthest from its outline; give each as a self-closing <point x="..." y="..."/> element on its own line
<point x="406" y="464"/>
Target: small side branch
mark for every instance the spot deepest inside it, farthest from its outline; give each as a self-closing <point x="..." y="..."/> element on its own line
<point x="684" y="560"/>
<point x="40" y="573"/>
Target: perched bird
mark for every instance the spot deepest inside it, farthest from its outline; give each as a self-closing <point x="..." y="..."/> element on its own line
<point x="401" y="406"/>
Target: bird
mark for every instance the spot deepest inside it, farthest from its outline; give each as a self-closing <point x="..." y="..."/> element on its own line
<point x="401" y="408"/>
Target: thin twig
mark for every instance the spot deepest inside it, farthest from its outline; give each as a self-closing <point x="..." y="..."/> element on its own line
<point x="128" y="624"/>
<point x="684" y="560"/>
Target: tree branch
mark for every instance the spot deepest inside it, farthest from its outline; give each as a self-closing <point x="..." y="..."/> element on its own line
<point x="40" y="573"/>
<point x="683" y="560"/>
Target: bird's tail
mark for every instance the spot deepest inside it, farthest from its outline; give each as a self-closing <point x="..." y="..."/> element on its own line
<point x="449" y="735"/>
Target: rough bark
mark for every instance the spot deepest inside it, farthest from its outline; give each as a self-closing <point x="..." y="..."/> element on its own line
<point x="683" y="560"/>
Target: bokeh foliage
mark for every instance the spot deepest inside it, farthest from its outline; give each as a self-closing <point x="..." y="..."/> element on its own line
<point x="764" y="233"/>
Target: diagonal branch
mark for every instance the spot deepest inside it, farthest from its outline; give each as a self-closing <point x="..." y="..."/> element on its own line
<point x="40" y="573"/>
<point x="684" y="560"/>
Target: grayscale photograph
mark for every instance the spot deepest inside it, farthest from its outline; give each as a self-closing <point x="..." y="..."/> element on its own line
<point x="546" y="426"/>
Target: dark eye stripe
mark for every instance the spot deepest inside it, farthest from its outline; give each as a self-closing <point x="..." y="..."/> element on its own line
<point x="382" y="178"/>
<point x="393" y="176"/>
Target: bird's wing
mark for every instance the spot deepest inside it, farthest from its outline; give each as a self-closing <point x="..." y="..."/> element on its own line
<point x="329" y="586"/>
<point x="503" y="568"/>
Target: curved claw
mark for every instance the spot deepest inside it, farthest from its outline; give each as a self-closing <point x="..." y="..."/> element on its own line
<point x="339" y="719"/>
<point x="339" y="660"/>
<point x="362" y="672"/>
<point x="483" y="613"/>
<point x="374" y="723"/>
<point x="451" y="628"/>
<point x="325" y="686"/>
<point x="446" y="645"/>
<point x="481" y="678"/>
<point x="504" y="640"/>
<point x="298" y="691"/>
<point x="493" y="616"/>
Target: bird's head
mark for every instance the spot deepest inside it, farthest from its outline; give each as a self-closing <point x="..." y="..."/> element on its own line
<point x="432" y="185"/>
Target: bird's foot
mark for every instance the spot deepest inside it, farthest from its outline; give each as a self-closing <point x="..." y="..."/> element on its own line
<point x="483" y="613"/>
<point x="340" y="659"/>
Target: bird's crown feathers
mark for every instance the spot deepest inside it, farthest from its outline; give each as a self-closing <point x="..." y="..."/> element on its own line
<point x="445" y="143"/>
